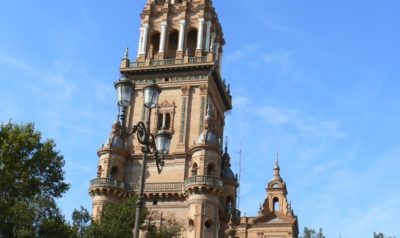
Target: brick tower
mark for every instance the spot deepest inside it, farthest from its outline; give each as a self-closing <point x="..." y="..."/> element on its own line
<point x="180" y="48"/>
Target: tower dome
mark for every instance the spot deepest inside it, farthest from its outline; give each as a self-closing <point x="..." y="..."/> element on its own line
<point x="115" y="140"/>
<point x="227" y="172"/>
<point x="207" y="136"/>
<point x="276" y="177"/>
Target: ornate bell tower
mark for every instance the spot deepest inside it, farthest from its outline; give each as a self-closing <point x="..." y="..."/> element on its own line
<point x="275" y="217"/>
<point x="180" y="49"/>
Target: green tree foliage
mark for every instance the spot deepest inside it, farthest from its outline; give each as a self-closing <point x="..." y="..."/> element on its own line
<point x="168" y="228"/>
<point x="80" y="221"/>
<point x="117" y="221"/>
<point x="32" y="176"/>
<point x="311" y="233"/>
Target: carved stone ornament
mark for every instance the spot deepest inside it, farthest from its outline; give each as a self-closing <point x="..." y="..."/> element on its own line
<point x="166" y="104"/>
<point x="203" y="89"/>
<point x="185" y="90"/>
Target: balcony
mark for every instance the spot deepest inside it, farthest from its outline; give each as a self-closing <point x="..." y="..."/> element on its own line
<point x="200" y="182"/>
<point x="171" y="62"/>
<point x="108" y="184"/>
<point x="156" y="187"/>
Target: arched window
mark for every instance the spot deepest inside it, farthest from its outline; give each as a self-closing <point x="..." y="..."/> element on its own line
<point x="229" y="205"/>
<point x="167" y="120"/>
<point x="172" y="44"/>
<point x="194" y="169"/>
<point x="159" y="121"/>
<point x="191" y="42"/>
<point x="210" y="169"/>
<point x="275" y="202"/>
<point x="191" y="224"/>
<point x="99" y="171"/>
<point x="208" y="224"/>
<point x="154" y="45"/>
<point x="114" y="172"/>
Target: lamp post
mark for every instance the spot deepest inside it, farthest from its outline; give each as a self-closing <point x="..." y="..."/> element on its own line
<point x="158" y="145"/>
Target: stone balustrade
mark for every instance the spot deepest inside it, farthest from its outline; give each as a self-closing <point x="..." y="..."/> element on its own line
<point x="204" y="181"/>
<point x="173" y="61"/>
<point x="110" y="183"/>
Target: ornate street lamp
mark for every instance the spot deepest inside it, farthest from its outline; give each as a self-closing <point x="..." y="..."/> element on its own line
<point x="158" y="145"/>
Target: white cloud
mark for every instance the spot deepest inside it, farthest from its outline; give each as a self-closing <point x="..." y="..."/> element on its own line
<point x="283" y="65"/>
<point x="359" y="200"/>
<point x="240" y="54"/>
<point x="306" y="126"/>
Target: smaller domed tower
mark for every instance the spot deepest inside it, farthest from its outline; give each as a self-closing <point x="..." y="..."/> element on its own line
<point x="107" y="187"/>
<point x="230" y="215"/>
<point x="211" y="186"/>
<point x="275" y="217"/>
<point x="277" y="192"/>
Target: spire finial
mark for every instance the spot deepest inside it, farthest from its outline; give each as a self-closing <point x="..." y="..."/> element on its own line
<point x="126" y="54"/>
<point x="276" y="167"/>
<point x="277" y="161"/>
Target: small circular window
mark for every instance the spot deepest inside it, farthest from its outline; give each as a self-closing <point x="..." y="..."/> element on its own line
<point x="208" y="224"/>
<point x="276" y="185"/>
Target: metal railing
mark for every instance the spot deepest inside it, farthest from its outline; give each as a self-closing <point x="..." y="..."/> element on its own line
<point x="204" y="180"/>
<point x="173" y="61"/>
<point x="197" y="60"/>
<point x="137" y="64"/>
<point x="162" y="62"/>
<point x="107" y="182"/>
<point x="134" y="187"/>
<point x="156" y="187"/>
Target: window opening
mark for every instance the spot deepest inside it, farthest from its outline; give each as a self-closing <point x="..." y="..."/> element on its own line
<point x="210" y="169"/>
<point x="114" y="172"/>
<point x="192" y="42"/>
<point x="167" y="121"/>
<point x="276" y="204"/>
<point x="194" y="169"/>
<point x="172" y="44"/>
<point x="155" y="45"/>
<point x="160" y="121"/>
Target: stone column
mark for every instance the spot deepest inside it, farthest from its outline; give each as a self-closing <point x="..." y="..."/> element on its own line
<point x="212" y="44"/>
<point x="181" y="34"/>
<point x="208" y="33"/>
<point x="140" y="42"/>
<point x="145" y="35"/>
<point x="163" y="120"/>
<point x="200" y="34"/>
<point x="181" y="42"/>
<point x="163" y="34"/>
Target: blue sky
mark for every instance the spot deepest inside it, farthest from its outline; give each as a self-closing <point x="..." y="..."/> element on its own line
<point x="316" y="81"/>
